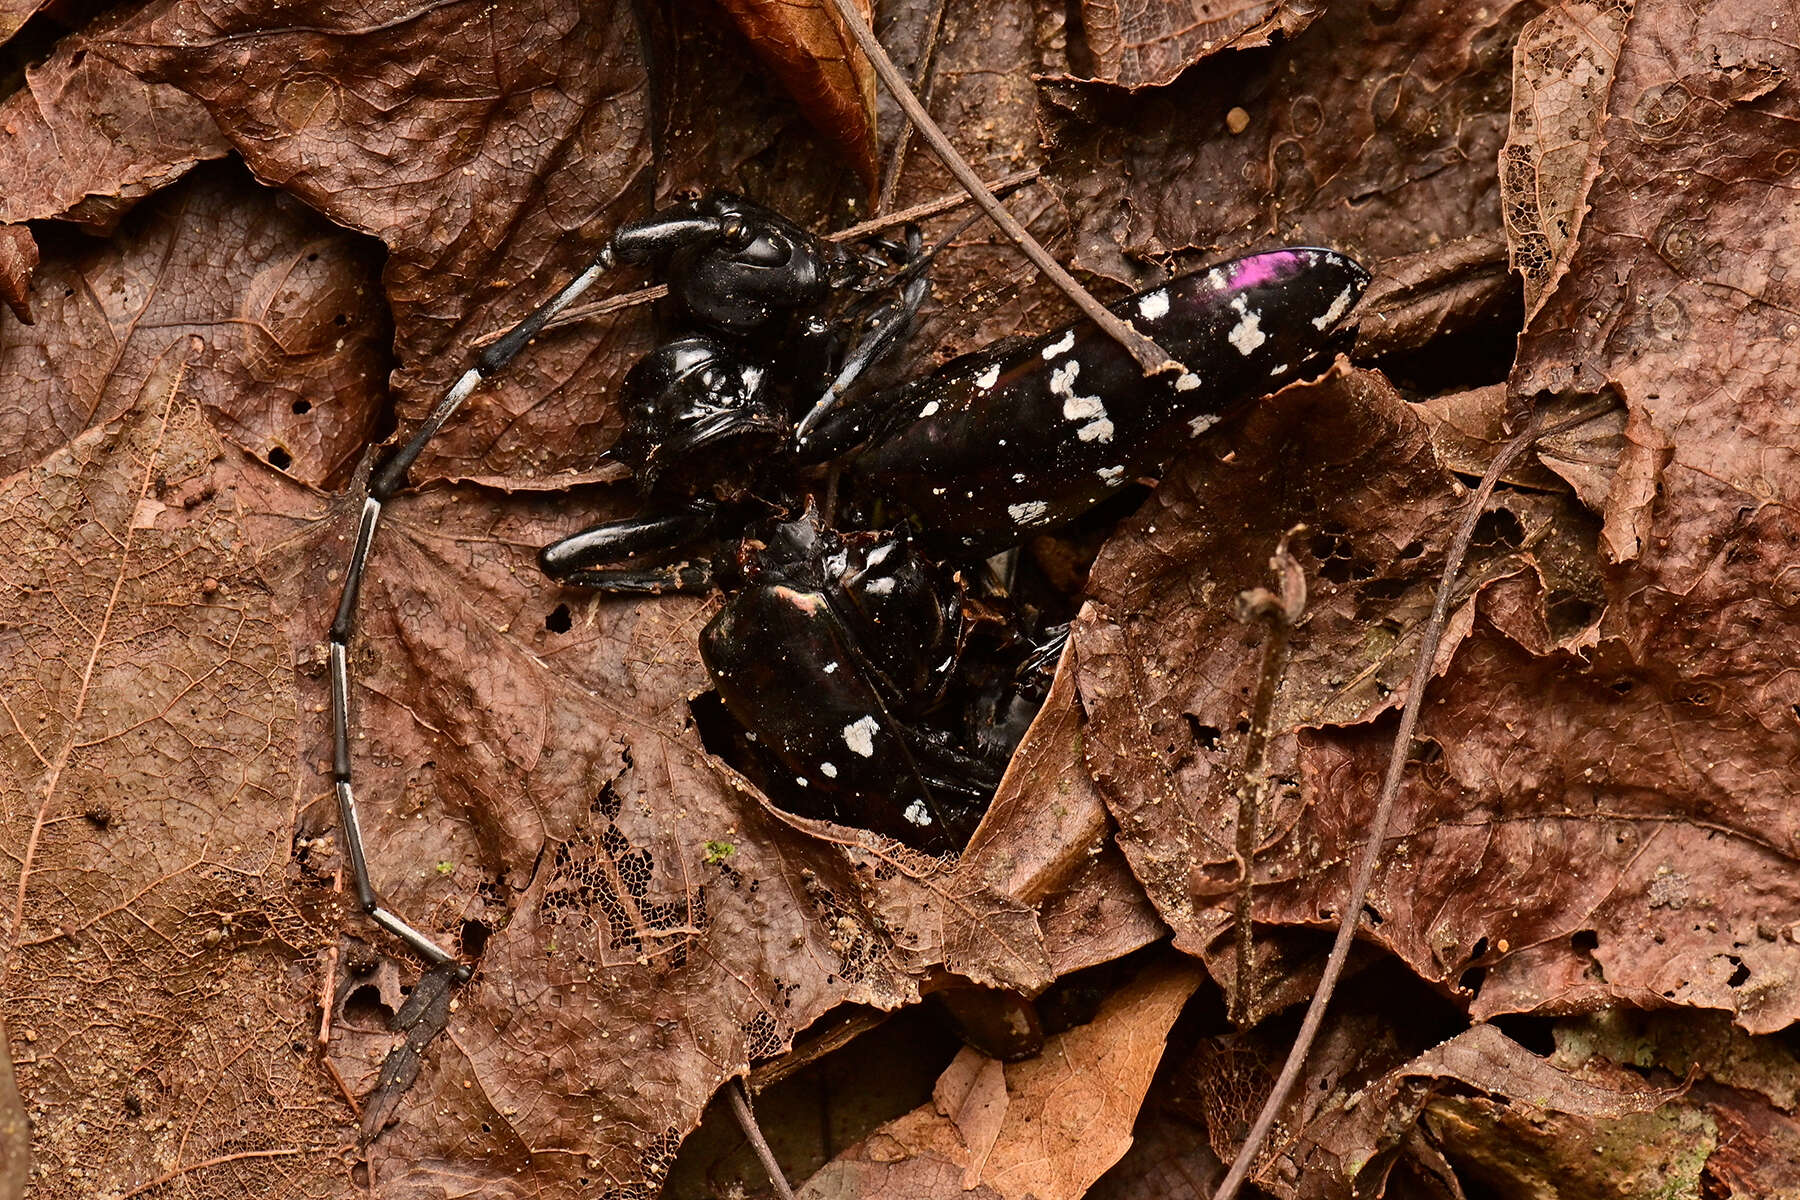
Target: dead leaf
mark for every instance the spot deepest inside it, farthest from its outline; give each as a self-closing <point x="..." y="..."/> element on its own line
<point x="84" y="140"/>
<point x="1563" y="71"/>
<point x="1067" y="1114"/>
<point x="18" y="259"/>
<point x="1134" y="44"/>
<point x="806" y="47"/>
<point x="285" y="305"/>
<point x="1379" y="144"/>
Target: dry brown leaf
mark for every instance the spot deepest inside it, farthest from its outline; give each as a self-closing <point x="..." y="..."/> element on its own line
<point x="18" y="259"/>
<point x="159" y="971"/>
<point x="1137" y="44"/>
<point x="806" y="47"/>
<point x="1374" y="132"/>
<point x="1067" y="1117"/>
<point x="489" y="148"/>
<point x="83" y="140"/>
<point x="286" y="306"/>
<point x="1563" y="71"/>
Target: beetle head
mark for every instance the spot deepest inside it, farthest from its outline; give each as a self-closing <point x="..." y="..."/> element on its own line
<point x="694" y="409"/>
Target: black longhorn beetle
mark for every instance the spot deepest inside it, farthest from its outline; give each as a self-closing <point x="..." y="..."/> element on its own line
<point x="834" y="652"/>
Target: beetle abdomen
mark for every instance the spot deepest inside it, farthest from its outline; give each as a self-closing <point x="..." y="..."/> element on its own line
<point x="997" y="444"/>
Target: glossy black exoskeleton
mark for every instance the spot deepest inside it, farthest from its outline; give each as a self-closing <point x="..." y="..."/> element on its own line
<point x="844" y="659"/>
<point x="831" y="648"/>
<point x="838" y="653"/>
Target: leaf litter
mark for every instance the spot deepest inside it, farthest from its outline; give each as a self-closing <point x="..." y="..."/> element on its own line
<point x="1595" y="819"/>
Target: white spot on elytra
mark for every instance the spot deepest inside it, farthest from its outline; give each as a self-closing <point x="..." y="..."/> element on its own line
<point x="879" y="554"/>
<point x="1028" y="512"/>
<point x="828" y="770"/>
<point x="917" y="813"/>
<point x="1155" y="305"/>
<point x="829" y="668"/>
<point x="988" y="378"/>
<point x="1080" y="408"/>
<point x="1337" y="309"/>
<point x="1019" y="477"/>
<point x="801" y="780"/>
<point x="1188" y="382"/>
<point x="929" y="410"/>
<point x="1279" y="368"/>
<point x="1061" y="345"/>
<point x="1202" y="423"/>
<point x="859" y="735"/>
<point x="1111" y="474"/>
<point x="1248" y="334"/>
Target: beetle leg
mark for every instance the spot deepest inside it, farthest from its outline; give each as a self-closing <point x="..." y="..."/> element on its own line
<point x="612" y="542"/>
<point x="697" y="575"/>
<point x="388" y="478"/>
<point x="887" y="326"/>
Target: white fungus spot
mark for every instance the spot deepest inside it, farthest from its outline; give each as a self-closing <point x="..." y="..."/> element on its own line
<point x="828" y="770"/>
<point x="1202" y="423"/>
<point x="859" y="735"/>
<point x="829" y="668"/>
<point x="1248" y="334"/>
<point x="917" y="813"/>
<point x="801" y="780"/>
<point x="1278" y="368"/>
<point x="1061" y="345"/>
<point x="1111" y="474"/>
<point x="1188" y="382"/>
<point x="937" y="491"/>
<point x="988" y="378"/>
<point x="752" y="376"/>
<point x="1019" y="477"/>
<point x="882" y="586"/>
<point x="1028" y="512"/>
<point x="1155" y="305"/>
<point x="1336" y="310"/>
<point x="879" y="554"/>
<point x="1096" y="431"/>
<point x="929" y="410"/>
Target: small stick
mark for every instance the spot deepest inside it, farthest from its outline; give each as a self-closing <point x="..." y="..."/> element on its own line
<point x="1150" y="357"/>
<point x="1281" y="612"/>
<point x="740" y="1108"/>
<point x="1429" y="640"/>
<point x="924" y="78"/>
<point x="221" y="1160"/>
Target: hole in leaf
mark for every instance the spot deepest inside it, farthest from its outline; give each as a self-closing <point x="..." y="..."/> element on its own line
<point x="475" y="936"/>
<point x="1498" y="527"/>
<point x="558" y="621"/>
<point x="302" y="407"/>
<point x="1584" y="941"/>
<point x="280" y="459"/>
<point x="364" y="1007"/>
<point x="1739" y="977"/>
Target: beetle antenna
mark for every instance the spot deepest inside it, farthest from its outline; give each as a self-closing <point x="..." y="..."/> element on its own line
<point x="389" y="477"/>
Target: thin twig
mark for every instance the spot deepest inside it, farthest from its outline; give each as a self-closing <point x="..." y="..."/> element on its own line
<point x="740" y="1108"/>
<point x="1429" y="640"/>
<point x="1002" y="186"/>
<point x="1281" y="613"/>
<point x="221" y="1160"/>
<point x="924" y="76"/>
<point x="1150" y="357"/>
